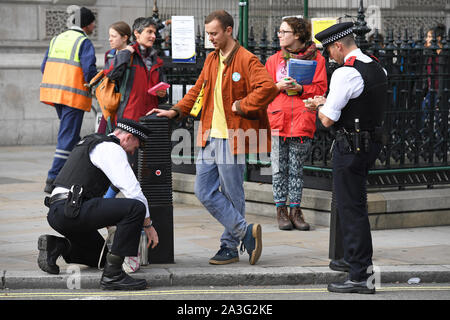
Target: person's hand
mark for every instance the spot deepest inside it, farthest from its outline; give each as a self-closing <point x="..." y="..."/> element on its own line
<point x="163" y="113"/>
<point x="152" y="237"/>
<point x="161" y="93"/>
<point x="318" y="100"/>
<point x="287" y="83"/>
<point x="234" y="107"/>
<point x="313" y="104"/>
<point x="130" y="48"/>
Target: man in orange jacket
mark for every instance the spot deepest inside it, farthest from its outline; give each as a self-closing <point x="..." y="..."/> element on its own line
<point x="236" y="91"/>
<point x="68" y="64"/>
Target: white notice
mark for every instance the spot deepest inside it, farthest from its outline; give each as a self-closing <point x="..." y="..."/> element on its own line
<point x="183" y="39"/>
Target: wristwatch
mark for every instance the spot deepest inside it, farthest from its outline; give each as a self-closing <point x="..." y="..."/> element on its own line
<point x="149" y="225"/>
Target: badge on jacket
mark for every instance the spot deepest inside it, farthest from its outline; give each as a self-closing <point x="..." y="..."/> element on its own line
<point x="236" y="76"/>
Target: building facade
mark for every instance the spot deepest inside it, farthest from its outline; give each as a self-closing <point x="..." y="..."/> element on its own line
<point x="28" y="25"/>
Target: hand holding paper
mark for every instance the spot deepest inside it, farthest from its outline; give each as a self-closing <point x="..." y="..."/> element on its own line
<point x="314" y="104"/>
<point x="162" y="86"/>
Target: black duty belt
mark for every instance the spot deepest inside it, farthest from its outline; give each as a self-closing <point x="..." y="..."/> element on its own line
<point x="354" y="142"/>
<point x="57" y="197"/>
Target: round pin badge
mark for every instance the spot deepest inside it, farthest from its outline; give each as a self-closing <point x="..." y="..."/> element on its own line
<point x="236" y="76"/>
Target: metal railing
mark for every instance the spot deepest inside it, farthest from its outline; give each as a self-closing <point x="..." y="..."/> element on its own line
<point x="416" y="121"/>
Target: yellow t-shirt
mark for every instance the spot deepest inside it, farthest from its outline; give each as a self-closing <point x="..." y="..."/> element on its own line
<point x="219" y="127"/>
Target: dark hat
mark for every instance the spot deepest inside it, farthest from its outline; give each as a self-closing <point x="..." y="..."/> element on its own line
<point x="133" y="127"/>
<point x="83" y="17"/>
<point x="334" y="33"/>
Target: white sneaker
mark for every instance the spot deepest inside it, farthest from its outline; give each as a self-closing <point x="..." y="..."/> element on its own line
<point x="131" y="264"/>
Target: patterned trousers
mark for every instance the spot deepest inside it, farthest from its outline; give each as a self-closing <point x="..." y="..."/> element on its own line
<point x="287" y="157"/>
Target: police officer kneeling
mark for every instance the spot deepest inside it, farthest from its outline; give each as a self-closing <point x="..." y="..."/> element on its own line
<point x="355" y="106"/>
<point x="77" y="209"/>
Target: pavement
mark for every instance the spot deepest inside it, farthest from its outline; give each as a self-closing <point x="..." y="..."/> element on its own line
<point x="288" y="257"/>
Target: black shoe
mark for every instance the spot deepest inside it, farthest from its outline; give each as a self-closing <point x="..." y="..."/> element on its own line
<point x="225" y="256"/>
<point x="350" y="286"/>
<point x="49" y="185"/>
<point x="50" y="248"/>
<point x="339" y="265"/>
<point x="114" y="278"/>
<point x="252" y="242"/>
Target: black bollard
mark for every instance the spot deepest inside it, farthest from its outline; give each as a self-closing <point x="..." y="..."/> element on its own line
<point x="336" y="250"/>
<point x="155" y="177"/>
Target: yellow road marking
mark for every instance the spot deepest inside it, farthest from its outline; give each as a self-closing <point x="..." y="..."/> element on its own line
<point x="198" y="291"/>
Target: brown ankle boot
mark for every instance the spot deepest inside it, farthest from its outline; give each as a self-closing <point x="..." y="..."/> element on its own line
<point x="296" y="216"/>
<point x="283" y="219"/>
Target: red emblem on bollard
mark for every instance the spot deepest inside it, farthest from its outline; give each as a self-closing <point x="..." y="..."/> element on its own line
<point x="158" y="172"/>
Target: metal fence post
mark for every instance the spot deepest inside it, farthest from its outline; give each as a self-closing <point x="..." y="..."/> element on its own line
<point x="243" y="23"/>
<point x="361" y="28"/>
<point x="305" y="9"/>
<point x="336" y="249"/>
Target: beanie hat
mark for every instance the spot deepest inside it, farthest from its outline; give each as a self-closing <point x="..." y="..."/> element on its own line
<point x="83" y="17"/>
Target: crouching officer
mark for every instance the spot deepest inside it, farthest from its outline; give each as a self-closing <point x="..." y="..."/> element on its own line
<point x="355" y="106"/>
<point x="77" y="208"/>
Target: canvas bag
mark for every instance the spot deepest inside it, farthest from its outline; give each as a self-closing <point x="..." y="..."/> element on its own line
<point x="108" y="94"/>
<point x="130" y="264"/>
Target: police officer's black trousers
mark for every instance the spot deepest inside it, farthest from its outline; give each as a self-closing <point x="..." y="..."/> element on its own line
<point x="82" y="231"/>
<point x="350" y="173"/>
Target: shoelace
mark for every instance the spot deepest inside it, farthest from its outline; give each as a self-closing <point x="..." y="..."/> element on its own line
<point x="111" y="232"/>
<point x="242" y="248"/>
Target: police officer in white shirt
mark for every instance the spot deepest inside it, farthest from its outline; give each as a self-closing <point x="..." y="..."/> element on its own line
<point x="354" y="106"/>
<point x="77" y="208"/>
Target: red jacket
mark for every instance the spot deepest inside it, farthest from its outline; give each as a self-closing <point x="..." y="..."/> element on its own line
<point x="288" y="116"/>
<point x="137" y="101"/>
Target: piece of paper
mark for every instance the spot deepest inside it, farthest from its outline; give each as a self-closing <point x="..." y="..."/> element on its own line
<point x="159" y="86"/>
<point x="301" y="70"/>
<point x="320" y="24"/>
<point x="183" y="39"/>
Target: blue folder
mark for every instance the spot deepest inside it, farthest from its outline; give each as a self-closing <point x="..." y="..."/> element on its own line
<point x="301" y="70"/>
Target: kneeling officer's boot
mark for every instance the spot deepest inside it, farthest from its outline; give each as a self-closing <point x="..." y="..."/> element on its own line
<point x="50" y="249"/>
<point x="114" y="278"/>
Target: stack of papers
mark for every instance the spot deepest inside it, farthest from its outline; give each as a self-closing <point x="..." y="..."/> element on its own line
<point x="302" y="70"/>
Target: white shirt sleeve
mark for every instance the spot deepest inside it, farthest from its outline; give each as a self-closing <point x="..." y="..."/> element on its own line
<point x="112" y="160"/>
<point x="346" y="83"/>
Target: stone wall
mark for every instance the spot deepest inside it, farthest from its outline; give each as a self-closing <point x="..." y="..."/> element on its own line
<point x="25" y="32"/>
<point x="28" y="25"/>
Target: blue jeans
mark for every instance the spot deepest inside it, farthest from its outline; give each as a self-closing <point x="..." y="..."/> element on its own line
<point x="217" y="167"/>
<point x="70" y="120"/>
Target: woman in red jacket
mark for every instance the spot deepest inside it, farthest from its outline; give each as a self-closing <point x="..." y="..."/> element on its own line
<point x="292" y="125"/>
<point x="145" y="71"/>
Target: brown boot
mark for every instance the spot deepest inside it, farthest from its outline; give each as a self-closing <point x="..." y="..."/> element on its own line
<point x="296" y="216"/>
<point x="283" y="220"/>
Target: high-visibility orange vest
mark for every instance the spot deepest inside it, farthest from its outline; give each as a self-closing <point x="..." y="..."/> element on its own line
<point x="63" y="79"/>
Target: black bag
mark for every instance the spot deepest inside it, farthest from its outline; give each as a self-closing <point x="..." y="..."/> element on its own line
<point x="73" y="203"/>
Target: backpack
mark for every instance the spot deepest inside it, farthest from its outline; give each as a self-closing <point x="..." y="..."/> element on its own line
<point x="108" y="94"/>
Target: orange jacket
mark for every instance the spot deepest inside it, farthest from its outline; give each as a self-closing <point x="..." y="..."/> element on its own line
<point x="244" y="80"/>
